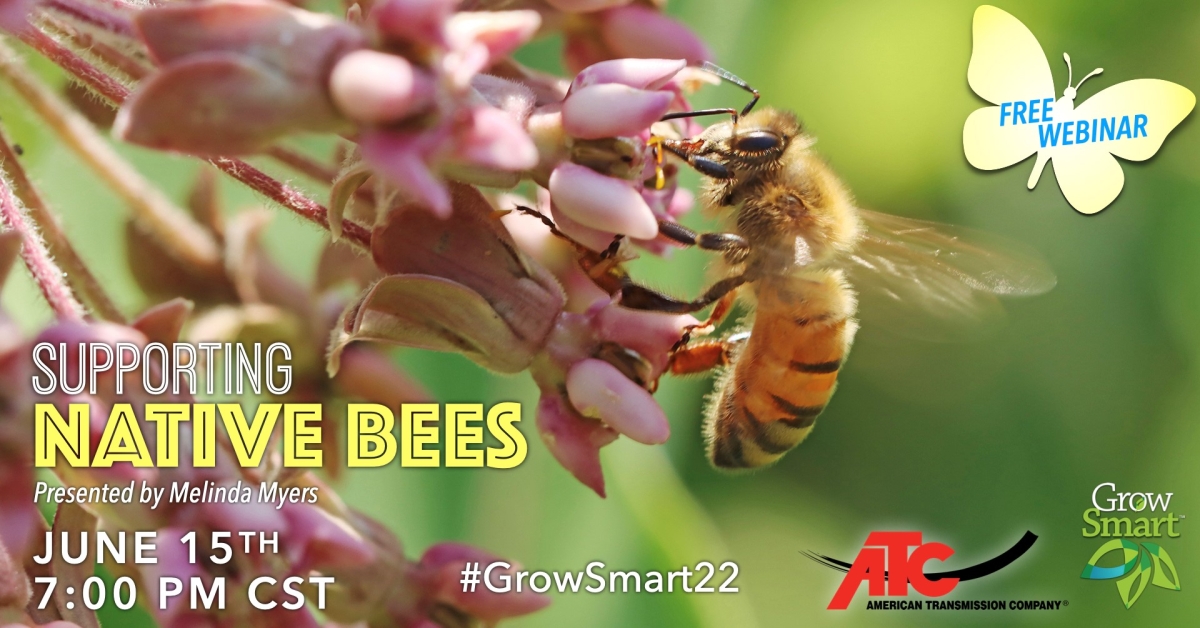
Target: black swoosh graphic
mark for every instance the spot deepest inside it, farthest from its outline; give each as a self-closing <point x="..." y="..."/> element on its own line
<point x="986" y="568"/>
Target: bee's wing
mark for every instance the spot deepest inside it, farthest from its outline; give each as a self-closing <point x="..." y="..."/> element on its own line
<point x="937" y="281"/>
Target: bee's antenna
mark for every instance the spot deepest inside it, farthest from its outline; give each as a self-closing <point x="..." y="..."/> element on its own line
<point x="728" y="77"/>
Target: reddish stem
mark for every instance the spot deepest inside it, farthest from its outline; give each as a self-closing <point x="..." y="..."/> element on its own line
<point x="78" y="274"/>
<point x="83" y="40"/>
<point x="256" y="179"/>
<point x="94" y="16"/>
<point x="289" y="197"/>
<point x="46" y="273"/>
<point x="303" y="164"/>
<point x="75" y="65"/>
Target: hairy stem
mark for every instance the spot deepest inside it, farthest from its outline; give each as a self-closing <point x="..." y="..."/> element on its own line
<point x="48" y="276"/>
<point x="110" y="21"/>
<point x="80" y="277"/>
<point x="111" y="56"/>
<point x="186" y="239"/>
<point x="254" y="178"/>
<point x="289" y="197"/>
<point x="305" y="165"/>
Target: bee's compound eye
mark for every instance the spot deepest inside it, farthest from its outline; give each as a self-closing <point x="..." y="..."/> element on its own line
<point x="756" y="142"/>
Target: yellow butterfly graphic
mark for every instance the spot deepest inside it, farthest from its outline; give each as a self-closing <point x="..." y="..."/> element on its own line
<point x="1130" y="120"/>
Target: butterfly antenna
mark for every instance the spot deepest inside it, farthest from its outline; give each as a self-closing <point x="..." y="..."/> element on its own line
<point x="1070" y="78"/>
<point x="1090" y="75"/>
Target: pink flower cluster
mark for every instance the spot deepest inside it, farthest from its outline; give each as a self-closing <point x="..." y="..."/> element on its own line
<point x="427" y="106"/>
<point x="426" y="93"/>
<point x="462" y="284"/>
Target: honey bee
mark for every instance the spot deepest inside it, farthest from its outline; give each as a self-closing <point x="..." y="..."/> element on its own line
<point x="797" y="247"/>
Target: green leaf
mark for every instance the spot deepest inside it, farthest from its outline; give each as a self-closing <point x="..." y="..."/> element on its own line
<point x="1092" y="571"/>
<point x="1165" y="574"/>
<point x="1132" y="586"/>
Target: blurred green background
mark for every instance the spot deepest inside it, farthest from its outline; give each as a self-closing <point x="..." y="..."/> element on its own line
<point x="971" y="443"/>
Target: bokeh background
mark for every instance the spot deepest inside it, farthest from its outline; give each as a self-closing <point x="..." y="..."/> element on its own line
<point x="972" y="443"/>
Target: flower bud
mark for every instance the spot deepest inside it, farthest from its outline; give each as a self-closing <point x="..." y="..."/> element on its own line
<point x="639" y="31"/>
<point x="599" y="390"/>
<point x="611" y="109"/>
<point x="601" y="202"/>
<point x="377" y="88"/>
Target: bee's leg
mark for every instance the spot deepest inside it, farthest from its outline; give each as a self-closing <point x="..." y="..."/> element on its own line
<point x="704" y="356"/>
<point x="638" y="297"/>
<point x="718" y="314"/>
<point x="699" y="357"/>
<point x="603" y="268"/>
<point x="733" y="246"/>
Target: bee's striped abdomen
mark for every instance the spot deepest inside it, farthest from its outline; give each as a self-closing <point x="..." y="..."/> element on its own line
<point x="784" y="376"/>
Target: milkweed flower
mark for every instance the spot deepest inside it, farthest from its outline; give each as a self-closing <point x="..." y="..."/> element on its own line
<point x="386" y="94"/>
<point x="462" y="285"/>
<point x="424" y="101"/>
<point x="627" y="30"/>
<point x="604" y="176"/>
<point x="250" y="298"/>
<point x="234" y="76"/>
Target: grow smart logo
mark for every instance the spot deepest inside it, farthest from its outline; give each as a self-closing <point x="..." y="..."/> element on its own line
<point x="1133" y="564"/>
<point x="1129" y="120"/>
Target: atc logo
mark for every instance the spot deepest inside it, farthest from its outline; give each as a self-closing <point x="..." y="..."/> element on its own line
<point x="888" y="567"/>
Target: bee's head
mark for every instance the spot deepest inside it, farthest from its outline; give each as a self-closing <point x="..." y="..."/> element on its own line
<point x="752" y="143"/>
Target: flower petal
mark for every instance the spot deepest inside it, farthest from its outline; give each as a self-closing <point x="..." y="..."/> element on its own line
<point x="597" y="389"/>
<point x="639" y="31"/>
<point x="651" y="334"/>
<point x="421" y="21"/>
<point x="13" y="14"/>
<point x="500" y="32"/>
<point x="163" y="322"/>
<point x="473" y="249"/>
<point x="573" y="440"/>
<point x="377" y="88"/>
<point x="494" y="139"/>
<point x="220" y="104"/>
<point x="396" y="156"/>
<point x="272" y="33"/>
<point x="431" y="313"/>
<point x="639" y="73"/>
<point x="601" y="202"/>
<point x="611" y="110"/>
<point x="593" y="239"/>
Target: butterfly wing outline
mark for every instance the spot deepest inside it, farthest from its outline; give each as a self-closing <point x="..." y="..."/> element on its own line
<point x="1088" y="174"/>
<point x="1007" y="65"/>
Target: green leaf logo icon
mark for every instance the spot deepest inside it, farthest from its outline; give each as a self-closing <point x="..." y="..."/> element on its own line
<point x="1140" y="565"/>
